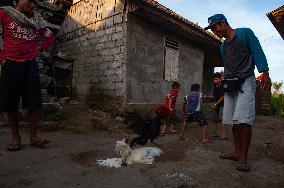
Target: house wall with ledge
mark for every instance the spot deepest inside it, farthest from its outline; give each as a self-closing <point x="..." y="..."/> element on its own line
<point x="146" y="84"/>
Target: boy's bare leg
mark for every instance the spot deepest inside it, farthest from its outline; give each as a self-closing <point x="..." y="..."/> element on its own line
<point x="205" y="139"/>
<point x="13" y="119"/>
<point x="217" y="130"/>
<point x="220" y="130"/>
<point x="223" y="131"/>
<point x="172" y="130"/>
<point x="182" y="130"/>
<point x="164" y="129"/>
<point x="33" y="124"/>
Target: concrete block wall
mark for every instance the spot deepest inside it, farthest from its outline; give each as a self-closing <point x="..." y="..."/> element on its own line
<point x="94" y="33"/>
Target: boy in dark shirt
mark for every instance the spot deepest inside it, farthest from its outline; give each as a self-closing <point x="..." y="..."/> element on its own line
<point x="218" y="94"/>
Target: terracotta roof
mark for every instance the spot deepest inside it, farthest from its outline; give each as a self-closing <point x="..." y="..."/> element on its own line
<point x="168" y="11"/>
<point x="277" y="19"/>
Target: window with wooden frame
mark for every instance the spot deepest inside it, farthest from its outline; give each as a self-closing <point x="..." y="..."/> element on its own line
<point x="171" y="59"/>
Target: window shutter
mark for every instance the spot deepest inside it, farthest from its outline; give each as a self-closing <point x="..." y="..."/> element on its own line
<point x="171" y="60"/>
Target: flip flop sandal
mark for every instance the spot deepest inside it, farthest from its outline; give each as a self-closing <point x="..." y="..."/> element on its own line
<point x="243" y="168"/>
<point x="195" y="141"/>
<point x="226" y="138"/>
<point x="14" y="147"/>
<point x="172" y="131"/>
<point x="229" y="157"/>
<point x="40" y="143"/>
<point x="181" y="138"/>
<point x="216" y="136"/>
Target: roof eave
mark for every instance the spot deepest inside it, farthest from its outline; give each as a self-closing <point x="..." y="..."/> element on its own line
<point x="279" y="25"/>
<point x="159" y="10"/>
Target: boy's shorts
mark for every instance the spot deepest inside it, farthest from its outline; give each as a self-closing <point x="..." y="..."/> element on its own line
<point x="197" y="116"/>
<point x="20" y="81"/>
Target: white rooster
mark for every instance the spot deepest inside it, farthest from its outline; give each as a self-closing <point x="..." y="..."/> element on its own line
<point x="144" y="155"/>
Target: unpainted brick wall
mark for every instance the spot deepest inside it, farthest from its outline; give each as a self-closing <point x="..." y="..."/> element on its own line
<point x="94" y="33"/>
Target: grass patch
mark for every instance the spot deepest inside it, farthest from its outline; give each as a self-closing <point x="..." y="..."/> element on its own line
<point x="278" y="104"/>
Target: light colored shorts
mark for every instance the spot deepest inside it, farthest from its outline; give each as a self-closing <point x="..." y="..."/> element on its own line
<point x="239" y="107"/>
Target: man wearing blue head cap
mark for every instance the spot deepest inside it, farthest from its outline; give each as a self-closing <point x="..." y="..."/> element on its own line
<point x="241" y="52"/>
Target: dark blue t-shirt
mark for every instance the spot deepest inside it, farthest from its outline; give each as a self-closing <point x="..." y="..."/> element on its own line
<point x="242" y="53"/>
<point x="193" y="101"/>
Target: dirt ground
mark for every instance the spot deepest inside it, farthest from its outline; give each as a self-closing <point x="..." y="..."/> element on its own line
<point x="77" y="142"/>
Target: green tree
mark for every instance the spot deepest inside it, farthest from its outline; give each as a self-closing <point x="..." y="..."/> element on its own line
<point x="277" y="86"/>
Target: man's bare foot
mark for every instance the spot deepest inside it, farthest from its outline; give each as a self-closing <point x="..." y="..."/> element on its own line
<point x="224" y="138"/>
<point x="206" y="141"/>
<point x="163" y="133"/>
<point x="38" y="142"/>
<point x="15" y="144"/>
<point x="230" y="156"/>
<point x="216" y="136"/>
<point x="172" y="131"/>
<point x="244" y="167"/>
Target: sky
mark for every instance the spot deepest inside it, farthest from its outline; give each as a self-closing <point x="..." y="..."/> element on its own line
<point x="240" y="13"/>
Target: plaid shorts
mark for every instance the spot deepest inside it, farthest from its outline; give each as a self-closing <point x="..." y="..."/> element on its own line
<point x="196" y="116"/>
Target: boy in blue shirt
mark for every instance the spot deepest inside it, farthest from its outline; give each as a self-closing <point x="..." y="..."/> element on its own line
<point x="191" y="109"/>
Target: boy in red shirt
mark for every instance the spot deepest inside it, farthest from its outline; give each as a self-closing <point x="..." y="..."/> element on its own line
<point x="21" y="29"/>
<point x="170" y="102"/>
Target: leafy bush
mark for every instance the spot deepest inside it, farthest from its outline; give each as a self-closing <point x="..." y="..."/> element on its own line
<point x="278" y="104"/>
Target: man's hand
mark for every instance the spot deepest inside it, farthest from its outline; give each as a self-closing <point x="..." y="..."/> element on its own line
<point x="265" y="81"/>
<point x="2" y="62"/>
<point x="214" y="106"/>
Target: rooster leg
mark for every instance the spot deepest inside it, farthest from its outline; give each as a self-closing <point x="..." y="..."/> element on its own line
<point x="134" y="141"/>
<point x="124" y="163"/>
